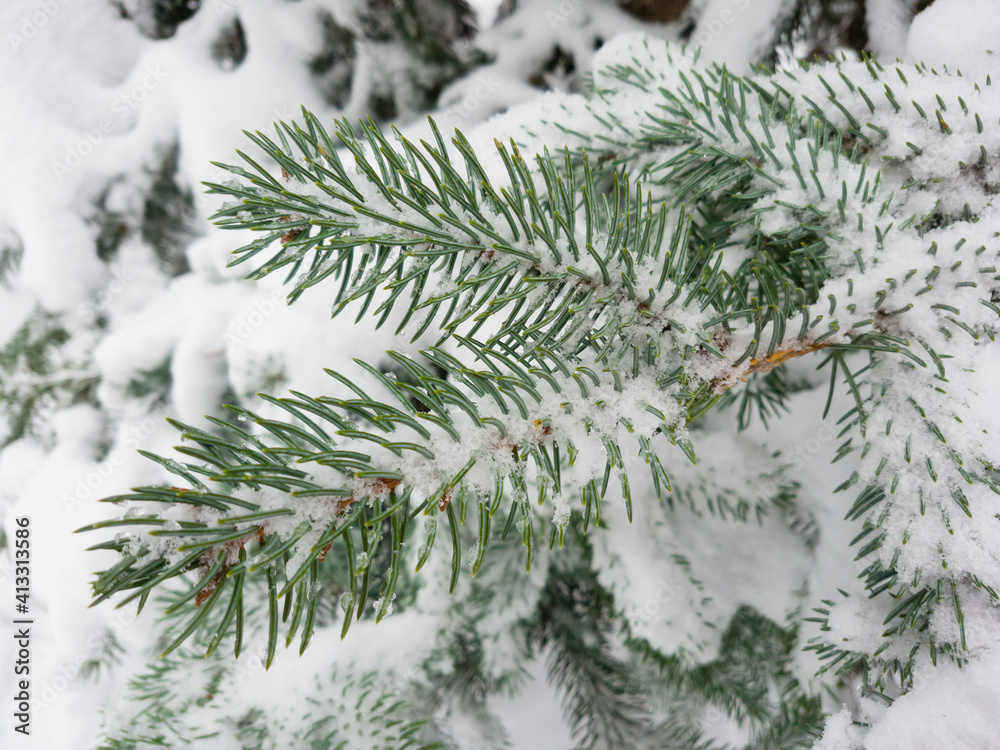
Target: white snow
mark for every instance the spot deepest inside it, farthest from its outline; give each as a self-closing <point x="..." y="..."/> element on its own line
<point x="87" y="104"/>
<point x="976" y="23"/>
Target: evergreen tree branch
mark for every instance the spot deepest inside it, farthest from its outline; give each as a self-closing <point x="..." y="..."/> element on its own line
<point x="797" y="176"/>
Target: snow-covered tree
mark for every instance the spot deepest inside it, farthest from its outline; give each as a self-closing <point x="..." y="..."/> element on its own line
<point x="586" y="497"/>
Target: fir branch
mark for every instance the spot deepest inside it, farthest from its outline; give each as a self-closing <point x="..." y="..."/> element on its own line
<point x="797" y="176"/>
<point x="599" y="698"/>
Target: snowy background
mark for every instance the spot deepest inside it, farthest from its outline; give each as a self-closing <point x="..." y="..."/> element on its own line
<point x="112" y="272"/>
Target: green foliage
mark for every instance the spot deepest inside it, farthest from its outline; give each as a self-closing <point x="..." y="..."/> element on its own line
<point x="35" y="377"/>
<point x="428" y="32"/>
<point x="11" y="252"/>
<point x="826" y="240"/>
<point x="818" y="29"/>
<point x="180" y="700"/>
<point x="107" y="655"/>
<point x="573" y="326"/>
<point x="618" y="691"/>
<point x="604" y="704"/>
<point x="570" y="306"/>
<point x="154" y="382"/>
<point x="168" y="214"/>
<point x="164" y="221"/>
